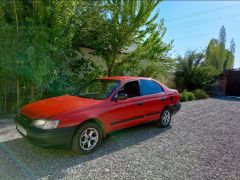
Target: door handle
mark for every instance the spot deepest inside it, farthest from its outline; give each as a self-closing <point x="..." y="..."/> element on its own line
<point x="139" y="103"/>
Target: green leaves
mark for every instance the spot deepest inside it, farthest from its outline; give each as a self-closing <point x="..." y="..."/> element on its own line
<point x="121" y="32"/>
<point x="217" y="55"/>
<point x="40" y="40"/>
<point x="192" y="72"/>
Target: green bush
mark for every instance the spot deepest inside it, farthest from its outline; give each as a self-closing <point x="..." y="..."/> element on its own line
<point x="184" y="96"/>
<point x="191" y="96"/>
<point x="200" y="94"/>
<point x="187" y="96"/>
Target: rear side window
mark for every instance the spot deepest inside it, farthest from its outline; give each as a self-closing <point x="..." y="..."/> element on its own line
<point x="150" y="87"/>
<point x="159" y="88"/>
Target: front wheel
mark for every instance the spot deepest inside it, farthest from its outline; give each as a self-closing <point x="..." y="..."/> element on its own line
<point x="87" y="138"/>
<point x="165" y="118"/>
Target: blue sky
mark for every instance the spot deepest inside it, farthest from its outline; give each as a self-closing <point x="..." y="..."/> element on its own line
<point x="193" y="23"/>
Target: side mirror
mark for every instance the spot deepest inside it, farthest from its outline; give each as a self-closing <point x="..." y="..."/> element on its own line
<point x="121" y="96"/>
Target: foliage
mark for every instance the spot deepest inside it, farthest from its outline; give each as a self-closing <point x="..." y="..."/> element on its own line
<point x="160" y="70"/>
<point x="191" y="96"/>
<point x="192" y="72"/>
<point x="200" y="94"/>
<point x="31" y="50"/>
<point x="196" y="94"/>
<point x="40" y="41"/>
<point x="122" y="32"/>
<point x="217" y="55"/>
<point x="184" y="96"/>
<point x="187" y="96"/>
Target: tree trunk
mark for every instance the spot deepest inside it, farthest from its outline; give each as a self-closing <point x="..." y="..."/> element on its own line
<point x="5" y="101"/>
<point x="41" y="93"/>
<point x="32" y="92"/>
<point x="18" y="88"/>
<point x="18" y="96"/>
<point x="111" y="64"/>
<point x="16" y="16"/>
<point x="109" y="71"/>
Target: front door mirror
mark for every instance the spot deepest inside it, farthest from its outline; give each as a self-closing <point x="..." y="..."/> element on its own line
<point x="121" y="96"/>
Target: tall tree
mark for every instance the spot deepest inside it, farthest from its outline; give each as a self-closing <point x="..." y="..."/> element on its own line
<point x="35" y="39"/>
<point x="222" y="55"/>
<point x="217" y="55"/>
<point x="232" y="46"/>
<point x="229" y="55"/>
<point x="212" y="55"/>
<point x="122" y="32"/>
<point x="222" y="36"/>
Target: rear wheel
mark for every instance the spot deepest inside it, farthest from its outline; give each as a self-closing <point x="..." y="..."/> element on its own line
<point x="87" y="138"/>
<point x="165" y="118"/>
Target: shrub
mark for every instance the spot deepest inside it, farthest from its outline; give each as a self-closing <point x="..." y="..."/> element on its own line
<point x="191" y="96"/>
<point x="192" y="72"/>
<point x="200" y="94"/>
<point x="184" y="96"/>
<point x="187" y="96"/>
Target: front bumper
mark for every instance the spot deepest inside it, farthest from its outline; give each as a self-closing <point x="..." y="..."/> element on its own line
<point x="176" y="108"/>
<point x="42" y="137"/>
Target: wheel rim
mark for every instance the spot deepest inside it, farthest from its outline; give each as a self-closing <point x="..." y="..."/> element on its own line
<point x="166" y="118"/>
<point x="89" y="139"/>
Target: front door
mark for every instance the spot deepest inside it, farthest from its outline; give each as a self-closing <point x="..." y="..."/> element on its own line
<point x="128" y="112"/>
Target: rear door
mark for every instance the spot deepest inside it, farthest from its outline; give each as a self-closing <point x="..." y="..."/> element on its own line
<point x="153" y="98"/>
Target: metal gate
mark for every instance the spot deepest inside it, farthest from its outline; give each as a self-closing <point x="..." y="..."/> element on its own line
<point x="233" y="83"/>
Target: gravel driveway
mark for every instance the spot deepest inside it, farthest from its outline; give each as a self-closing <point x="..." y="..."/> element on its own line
<point x="203" y="142"/>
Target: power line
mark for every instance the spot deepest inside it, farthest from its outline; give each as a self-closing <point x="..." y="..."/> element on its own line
<point x="198" y="21"/>
<point x="208" y="20"/>
<point x="202" y="35"/>
<point x="198" y="36"/>
<point x="203" y="12"/>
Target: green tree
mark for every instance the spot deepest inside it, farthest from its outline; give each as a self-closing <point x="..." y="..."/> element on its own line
<point x="35" y="40"/>
<point x="39" y="40"/>
<point x="122" y="32"/>
<point x="232" y="46"/>
<point x="212" y="55"/>
<point x="217" y="55"/>
<point x="222" y="36"/>
<point x="229" y="54"/>
<point x="192" y="72"/>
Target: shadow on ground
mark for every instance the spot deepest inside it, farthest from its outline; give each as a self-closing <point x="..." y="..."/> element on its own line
<point x="37" y="162"/>
<point x="227" y="98"/>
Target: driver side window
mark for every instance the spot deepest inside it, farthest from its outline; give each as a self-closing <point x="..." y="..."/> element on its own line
<point x="131" y="89"/>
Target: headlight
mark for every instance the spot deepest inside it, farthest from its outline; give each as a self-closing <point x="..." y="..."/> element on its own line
<point x="45" y="124"/>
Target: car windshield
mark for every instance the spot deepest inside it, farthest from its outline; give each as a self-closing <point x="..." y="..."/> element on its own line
<point x="98" y="89"/>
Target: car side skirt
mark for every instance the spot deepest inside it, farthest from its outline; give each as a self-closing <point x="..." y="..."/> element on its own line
<point x="135" y="118"/>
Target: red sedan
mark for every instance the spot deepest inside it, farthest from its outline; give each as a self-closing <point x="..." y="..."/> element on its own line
<point x="102" y="106"/>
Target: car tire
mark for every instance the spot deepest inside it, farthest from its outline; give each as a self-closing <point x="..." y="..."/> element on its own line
<point x="87" y="138"/>
<point x="165" y="118"/>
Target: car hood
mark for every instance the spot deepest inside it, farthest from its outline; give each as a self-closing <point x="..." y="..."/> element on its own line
<point x="47" y="108"/>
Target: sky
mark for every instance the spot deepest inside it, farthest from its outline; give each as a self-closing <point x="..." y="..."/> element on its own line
<point x="192" y="24"/>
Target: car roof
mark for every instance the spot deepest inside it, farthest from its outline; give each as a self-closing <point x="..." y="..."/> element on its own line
<point x="124" y="78"/>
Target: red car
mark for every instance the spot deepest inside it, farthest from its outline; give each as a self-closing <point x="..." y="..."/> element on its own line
<point x="102" y="106"/>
